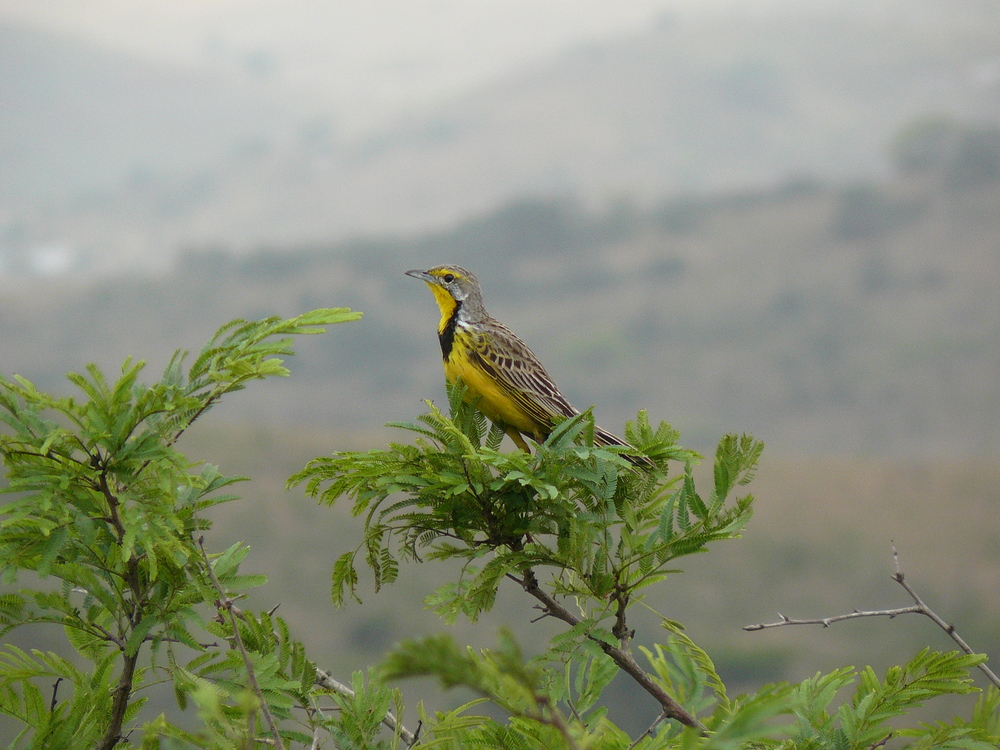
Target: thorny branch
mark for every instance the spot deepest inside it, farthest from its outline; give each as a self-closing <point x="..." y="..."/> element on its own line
<point x="919" y="607"/>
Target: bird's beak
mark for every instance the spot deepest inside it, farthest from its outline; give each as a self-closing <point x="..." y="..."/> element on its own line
<point x="422" y="275"/>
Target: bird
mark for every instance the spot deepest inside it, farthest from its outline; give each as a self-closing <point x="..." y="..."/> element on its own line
<point x="503" y="377"/>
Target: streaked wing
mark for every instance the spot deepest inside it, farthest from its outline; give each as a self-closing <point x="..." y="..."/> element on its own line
<point x="519" y="373"/>
<point x="521" y="376"/>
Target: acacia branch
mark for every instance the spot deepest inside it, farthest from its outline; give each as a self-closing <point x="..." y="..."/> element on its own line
<point x="119" y="705"/>
<point x="123" y="690"/>
<point x="327" y="681"/>
<point x="208" y="404"/>
<point x="625" y="661"/>
<point x="225" y="603"/>
<point x="919" y="607"/>
<point x="621" y="630"/>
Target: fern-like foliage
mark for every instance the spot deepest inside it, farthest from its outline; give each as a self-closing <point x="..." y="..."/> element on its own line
<point x="106" y="511"/>
<point x="864" y="720"/>
<point x="500" y="675"/>
<point x="929" y="674"/>
<point x="775" y="717"/>
<point x="979" y="732"/>
<point x="609" y="529"/>
<point x="605" y="529"/>
<point x="107" y="514"/>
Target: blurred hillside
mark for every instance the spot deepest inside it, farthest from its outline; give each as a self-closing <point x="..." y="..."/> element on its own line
<point x="113" y="161"/>
<point x="844" y="320"/>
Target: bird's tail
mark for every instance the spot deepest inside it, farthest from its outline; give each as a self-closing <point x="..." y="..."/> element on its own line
<point x="603" y="437"/>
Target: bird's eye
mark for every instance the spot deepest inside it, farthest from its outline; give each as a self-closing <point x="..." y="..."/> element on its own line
<point x="448" y="278"/>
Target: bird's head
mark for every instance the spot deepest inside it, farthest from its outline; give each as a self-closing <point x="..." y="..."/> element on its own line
<point x="452" y="286"/>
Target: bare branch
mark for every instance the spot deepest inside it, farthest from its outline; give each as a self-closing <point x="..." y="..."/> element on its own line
<point x="225" y="604"/>
<point x="827" y="621"/>
<point x="919" y="607"/>
<point x="326" y="680"/>
<point x="945" y="626"/>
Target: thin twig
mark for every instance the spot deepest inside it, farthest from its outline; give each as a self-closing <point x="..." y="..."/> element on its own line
<point x="326" y="680"/>
<point x="224" y="603"/>
<point x="109" y="636"/>
<point x="626" y="662"/>
<point x="649" y="732"/>
<point x="919" y="607"/>
<point x="55" y="691"/>
<point x="554" y="719"/>
<point x="827" y="621"/>
<point x="945" y="626"/>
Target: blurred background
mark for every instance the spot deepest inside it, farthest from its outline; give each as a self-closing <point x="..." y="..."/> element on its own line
<point x="771" y="217"/>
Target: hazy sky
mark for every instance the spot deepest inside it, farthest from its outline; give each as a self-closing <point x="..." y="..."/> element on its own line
<point x="390" y="54"/>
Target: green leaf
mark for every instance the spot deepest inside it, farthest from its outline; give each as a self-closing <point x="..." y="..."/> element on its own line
<point x="929" y="674"/>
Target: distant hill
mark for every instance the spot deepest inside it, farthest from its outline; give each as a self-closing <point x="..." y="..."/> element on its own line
<point x="699" y="103"/>
<point x="825" y="319"/>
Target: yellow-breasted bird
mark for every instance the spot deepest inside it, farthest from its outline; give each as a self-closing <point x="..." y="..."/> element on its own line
<point x="505" y="380"/>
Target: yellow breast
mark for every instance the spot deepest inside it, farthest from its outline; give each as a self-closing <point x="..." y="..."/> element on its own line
<point x="483" y="391"/>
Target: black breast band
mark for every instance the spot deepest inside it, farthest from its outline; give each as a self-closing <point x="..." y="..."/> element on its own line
<point x="447" y="334"/>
